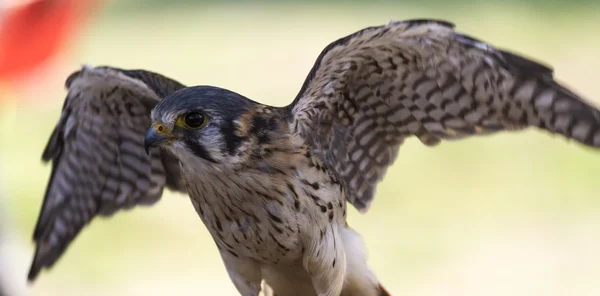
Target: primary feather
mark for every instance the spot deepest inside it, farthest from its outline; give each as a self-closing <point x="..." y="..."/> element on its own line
<point x="98" y="161"/>
<point x="370" y="90"/>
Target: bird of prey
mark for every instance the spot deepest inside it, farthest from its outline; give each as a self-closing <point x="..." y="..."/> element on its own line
<point x="271" y="184"/>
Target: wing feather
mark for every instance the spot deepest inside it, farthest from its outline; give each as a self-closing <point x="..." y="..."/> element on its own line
<point x="370" y="90"/>
<point x="99" y="165"/>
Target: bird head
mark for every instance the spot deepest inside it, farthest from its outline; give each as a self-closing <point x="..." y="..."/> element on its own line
<point x="214" y="124"/>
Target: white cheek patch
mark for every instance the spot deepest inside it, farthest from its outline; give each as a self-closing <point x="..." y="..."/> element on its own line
<point x="179" y="149"/>
<point x="190" y="163"/>
<point x="178" y="145"/>
<point x="212" y="141"/>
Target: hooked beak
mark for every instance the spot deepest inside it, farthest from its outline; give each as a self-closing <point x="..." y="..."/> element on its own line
<point x="155" y="136"/>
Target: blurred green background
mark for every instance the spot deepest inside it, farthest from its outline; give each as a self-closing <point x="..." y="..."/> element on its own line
<point x="509" y="214"/>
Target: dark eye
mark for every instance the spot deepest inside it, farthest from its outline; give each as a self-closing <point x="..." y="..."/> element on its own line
<point x="194" y="119"/>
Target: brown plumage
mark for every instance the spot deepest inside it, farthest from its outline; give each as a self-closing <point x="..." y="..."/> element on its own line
<point x="98" y="162"/>
<point x="271" y="184"/>
<point x="369" y="91"/>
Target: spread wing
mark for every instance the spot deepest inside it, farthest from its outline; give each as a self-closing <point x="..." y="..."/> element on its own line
<point x="370" y="90"/>
<point x="99" y="165"/>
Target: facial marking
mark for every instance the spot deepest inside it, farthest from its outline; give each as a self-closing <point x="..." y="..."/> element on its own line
<point x="199" y="150"/>
<point x="224" y="123"/>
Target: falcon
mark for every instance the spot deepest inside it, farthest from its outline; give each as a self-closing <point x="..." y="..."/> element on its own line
<point x="272" y="184"/>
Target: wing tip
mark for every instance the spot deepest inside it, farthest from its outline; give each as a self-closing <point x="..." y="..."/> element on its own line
<point x="45" y="256"/>
<point x="33" y="273"/>
<point x="35" y="268"/>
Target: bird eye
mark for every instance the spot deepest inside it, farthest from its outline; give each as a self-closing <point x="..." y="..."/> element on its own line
<point x="194" y="120"/>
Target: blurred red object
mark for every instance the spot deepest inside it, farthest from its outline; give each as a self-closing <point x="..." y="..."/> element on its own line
<point x="32" y="33"/>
